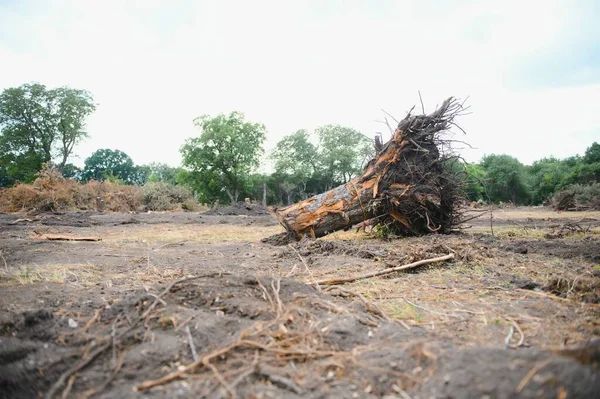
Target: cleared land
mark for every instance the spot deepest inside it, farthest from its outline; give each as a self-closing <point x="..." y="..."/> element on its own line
<point x="506" y="318"/>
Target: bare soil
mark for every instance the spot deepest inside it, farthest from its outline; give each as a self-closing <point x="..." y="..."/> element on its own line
<point x="515" y="314"/>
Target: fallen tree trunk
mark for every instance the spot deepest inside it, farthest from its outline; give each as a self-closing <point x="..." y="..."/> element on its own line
<point x="408" y="187"/>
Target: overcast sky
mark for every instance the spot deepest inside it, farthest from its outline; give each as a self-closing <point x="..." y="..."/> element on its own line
<point x="531" y="69"/>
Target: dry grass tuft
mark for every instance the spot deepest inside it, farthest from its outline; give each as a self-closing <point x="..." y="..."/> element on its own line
<point x="84" y="275"/>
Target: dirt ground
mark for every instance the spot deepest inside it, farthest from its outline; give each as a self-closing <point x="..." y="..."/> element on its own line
<point x="178" y="305"/>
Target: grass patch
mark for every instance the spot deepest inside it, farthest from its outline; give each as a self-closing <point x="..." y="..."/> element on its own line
<point x="402" y="311"/>
<point x="81" y="274"/>
<point x="221" y="233"/>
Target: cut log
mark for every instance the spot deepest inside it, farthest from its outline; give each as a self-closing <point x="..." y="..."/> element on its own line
<point x="60" y="237"/>
<point x="408" y="186"/>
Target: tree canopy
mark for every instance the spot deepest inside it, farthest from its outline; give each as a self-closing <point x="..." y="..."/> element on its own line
<point x="106" y="164"/>
<point x="40" y="125"/>
<point x="506" y="178"/>
<point x="225" y="153"/>
<point x="343" y="152"/>
<point x="297" y="159"/>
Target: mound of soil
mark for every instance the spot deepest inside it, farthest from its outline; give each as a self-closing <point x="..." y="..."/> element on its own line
<point x="220" y="335"/>
<point x="309" y="248"/>
<point x="586" y="248"/>
<point x="241" y="208"/>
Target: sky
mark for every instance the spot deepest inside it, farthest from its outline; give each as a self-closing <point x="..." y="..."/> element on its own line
<point x="530" y="70"/>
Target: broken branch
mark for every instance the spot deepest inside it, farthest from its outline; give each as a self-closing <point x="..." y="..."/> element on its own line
<point x="390" y="270"/>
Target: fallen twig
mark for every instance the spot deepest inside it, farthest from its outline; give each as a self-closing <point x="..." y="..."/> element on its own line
<point x="305" y="265"/>
<point x="336" y="281"/>
<point x="85" y="361"/>
<point x="77" y="367"/>
<point x="171" y="244"/>
<point x="191" y="342"/>
<point x="4" y="260"/>
<point x="521" y="340"/>
<point x="511" y="332"/>
<point x="184" y="370"/>
<point x="431" y="311"/>
<point x="108" y="381"/>
<point x="59" y="237"/>
<point x="531" y="373"/>
<point x="21" y="220"/>
<point x="370" y="307"/>
<point x="67" y="390"/>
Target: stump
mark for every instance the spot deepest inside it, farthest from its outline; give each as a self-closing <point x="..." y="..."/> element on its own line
<point x="409" y="186"/>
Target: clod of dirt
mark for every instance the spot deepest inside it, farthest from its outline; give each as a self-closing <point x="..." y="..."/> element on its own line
<point x="128" y="221"/>
<point x="280" y="239"/>
<point x="524" y="283"/>
<point x="586" y="248"/>
<point x="308" y="248"/>
<point x="583" y="289"/>
<point x="39" y="325"/>
<point x="496" y="373"/>
<point x="71" y="219"/>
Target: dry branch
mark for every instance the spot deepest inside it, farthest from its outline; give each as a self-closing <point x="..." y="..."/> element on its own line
<point x="335" y="281"/>
<point x="60" y="237"/>
<point x="100" y="349"/>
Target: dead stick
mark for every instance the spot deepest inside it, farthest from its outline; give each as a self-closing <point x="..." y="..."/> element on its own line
<point x="305" y="264"/>
<point x="67" y="390"/>
<point x="80" y="365"/>
<point x="522" y="336"/>
<point x="383" y="272"/>
<point x="181" y="372"/>
<point x="5" y="264"/>
<point x="84" y="362"/>
<point x="531" y="373"/>
<point x="191" y="342"/>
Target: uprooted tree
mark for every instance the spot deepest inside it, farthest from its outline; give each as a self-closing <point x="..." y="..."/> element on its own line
<point x="409" y="186"/>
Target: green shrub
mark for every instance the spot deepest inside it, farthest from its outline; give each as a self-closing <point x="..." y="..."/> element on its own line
<point x="160" y="196"/>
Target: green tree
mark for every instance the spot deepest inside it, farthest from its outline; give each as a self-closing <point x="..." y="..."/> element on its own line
<point x="343" y="152"/>
<point x="226" y="152"/>
<point x="161" y="172"/>
<point x="72" y="108"/>
<point x="39" y="125"/>
<point x="108" y="164"/>
<point x="297" y="159"/>
<point x="546" y="176"/>
<point x="474" y="181"/>
<point x="506" y="180"/>
<point x="592" y="154"/>
<point x="71" y="171"/>
<point x="584" y="169"/>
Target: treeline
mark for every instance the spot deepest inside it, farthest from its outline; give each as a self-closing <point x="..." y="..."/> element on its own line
<point x="502" y="178"/>
<point x="41" y="126"/>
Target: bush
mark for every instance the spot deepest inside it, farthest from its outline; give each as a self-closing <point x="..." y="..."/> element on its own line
<point x="161" y="196"/>
<point x="577" y="196"/>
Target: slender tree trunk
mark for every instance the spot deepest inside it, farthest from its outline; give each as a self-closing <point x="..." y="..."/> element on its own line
<point x="230" y="195"/>
<point x="264" y="201"/>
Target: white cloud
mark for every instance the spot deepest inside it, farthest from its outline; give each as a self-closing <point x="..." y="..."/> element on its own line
<point x="154" y="66"/>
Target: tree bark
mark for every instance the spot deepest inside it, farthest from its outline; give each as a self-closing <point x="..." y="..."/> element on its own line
<point x="407" y="186"/>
